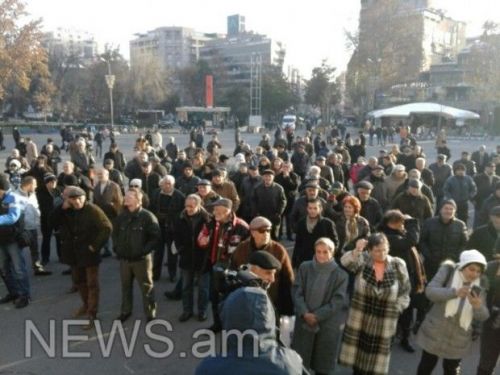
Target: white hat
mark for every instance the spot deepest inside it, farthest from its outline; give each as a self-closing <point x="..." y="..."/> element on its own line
<point x="471" y="256"/>
<point x="15" y="162"/>
<point x="135" y="182"/>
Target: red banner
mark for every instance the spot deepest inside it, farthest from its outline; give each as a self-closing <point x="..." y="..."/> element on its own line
<point x="209" y="91"/>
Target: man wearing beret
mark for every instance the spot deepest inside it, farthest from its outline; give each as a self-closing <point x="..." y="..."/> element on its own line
<point x="269" y="200"/>
<point x="84" y="229"/>
<point x="220" y="237"/>
<point x="250" y="308"/>
<point x="260" y="239"/>
<point x="370" y="207"/>
<point x="207" y="195"/>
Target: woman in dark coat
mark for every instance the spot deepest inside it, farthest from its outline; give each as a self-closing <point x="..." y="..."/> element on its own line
<point x="319" y="294"/>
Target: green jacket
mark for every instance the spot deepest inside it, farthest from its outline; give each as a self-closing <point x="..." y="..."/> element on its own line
<point x="135" y="234"/>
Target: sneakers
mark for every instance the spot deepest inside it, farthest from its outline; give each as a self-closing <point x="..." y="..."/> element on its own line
<point x="40" y="271"/>
<point x="185" y="316"/>
<point x="21" y="302"/>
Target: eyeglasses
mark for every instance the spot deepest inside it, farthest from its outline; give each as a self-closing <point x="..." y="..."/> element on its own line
<point x="264" y="230"/>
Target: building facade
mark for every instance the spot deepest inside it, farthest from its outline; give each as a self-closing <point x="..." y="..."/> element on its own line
<point x="65" y="43"/>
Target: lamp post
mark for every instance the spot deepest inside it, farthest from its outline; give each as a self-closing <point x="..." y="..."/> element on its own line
<point x="110" y="81"/>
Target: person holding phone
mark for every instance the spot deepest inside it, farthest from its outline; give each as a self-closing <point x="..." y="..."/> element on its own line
<point x="458" y="298"/>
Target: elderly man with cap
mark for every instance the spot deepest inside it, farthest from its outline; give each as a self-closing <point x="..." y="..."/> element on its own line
<point x="224" y="188"/>
<point x="414" y="174"/>
<point x="442" y="237"/>
<point x="84" y="229"/>
<point x="207" y="195"/>
<point x="116" y="155"/>
<point x="260" y="239"/>
<point x="136" y="235"/>
<point x="470" y="165"/>
<point x="220" y="237"/>
<point x="300" y="160"/>
<point x="269" y="200"/>
<point x="114" y="174"/>
<point x="250" y="308"/>
<point x="412" y="202"/>
<point x="13" y="268"/>
<point x="326" y="172"/>
<point x="166" y="204"/>
<point x="486" y="238"/>
<point x="248" y="185"/>
<point x="299" y="210"/>
<point x="370" y="207"/>
<point x="461" y="188"/>
<point x="442" y="171"/>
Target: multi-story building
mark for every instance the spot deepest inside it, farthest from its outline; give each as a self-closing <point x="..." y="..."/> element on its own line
<point x="64" y="43"/>
<point x="398" y="40"/>
<point x="172" y="47"/>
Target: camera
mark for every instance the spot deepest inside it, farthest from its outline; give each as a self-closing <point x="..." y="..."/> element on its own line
<point x="227" y="281"/>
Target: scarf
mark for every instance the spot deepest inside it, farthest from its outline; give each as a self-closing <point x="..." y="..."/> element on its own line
<point x="453" y="306"/>
<point x="351" y="229"/>
<point x="311" y="223"/>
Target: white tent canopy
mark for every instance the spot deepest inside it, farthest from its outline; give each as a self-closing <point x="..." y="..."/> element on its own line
<point x="425" y="109"/>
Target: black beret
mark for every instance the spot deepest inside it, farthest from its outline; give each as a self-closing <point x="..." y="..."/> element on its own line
<point x="265" y="260"/>
<point x="364" y="185"/>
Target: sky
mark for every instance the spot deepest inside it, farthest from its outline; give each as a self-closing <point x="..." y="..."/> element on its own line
<point x="312" y="30"/>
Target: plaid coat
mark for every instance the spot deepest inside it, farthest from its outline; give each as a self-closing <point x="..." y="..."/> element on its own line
<point x="374" y="313"/>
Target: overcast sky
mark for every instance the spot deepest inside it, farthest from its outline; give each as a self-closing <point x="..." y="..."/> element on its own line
<point x="311" y="30"/>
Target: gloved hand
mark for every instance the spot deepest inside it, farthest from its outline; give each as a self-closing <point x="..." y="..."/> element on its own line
<point x="173" y="249"/>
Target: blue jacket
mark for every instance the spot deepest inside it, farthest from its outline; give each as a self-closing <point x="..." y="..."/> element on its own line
<point x="10" y="213"/>
<point x="250" y="308"/>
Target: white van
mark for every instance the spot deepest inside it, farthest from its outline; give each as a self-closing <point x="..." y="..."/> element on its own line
<point x="289" y="121"/>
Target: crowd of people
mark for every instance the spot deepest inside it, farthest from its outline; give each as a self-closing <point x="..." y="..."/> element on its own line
<point x="382" y="246"/>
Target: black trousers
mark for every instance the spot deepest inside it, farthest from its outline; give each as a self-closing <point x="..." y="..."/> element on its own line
<point x="429" y="361"/>
<point x="417" y="302"/>
<point x="167" y="238"/>
<point x="490" y="349"/>
<point x="215" y="300"/>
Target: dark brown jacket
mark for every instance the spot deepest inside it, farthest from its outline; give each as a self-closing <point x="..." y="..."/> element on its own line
<point x="280" y="290"/>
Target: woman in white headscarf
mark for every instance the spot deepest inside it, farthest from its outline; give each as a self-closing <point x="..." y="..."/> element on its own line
<point x="458" y="305"/>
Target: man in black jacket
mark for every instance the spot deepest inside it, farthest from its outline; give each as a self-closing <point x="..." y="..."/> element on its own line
<point x="136" y="235"/>
<point x="309" y="229"/>
<point x="289" y="181"/>
<point x="486" y="238"/>
<point x="486" y="184"/>
<point x="166" y="203"/>
<point x="194" y="261"/>
<point x="370" y="208"/>
<point x="270" y="201"/>
<point x="443" y="237"/>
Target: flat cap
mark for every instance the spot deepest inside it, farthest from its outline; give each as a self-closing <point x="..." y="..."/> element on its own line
<point x="204" y="183"/>
<point x="312" y="184"/>
<point x="364" y="185"/>
<point x="378" y="167"/>
<point x="260" y="222"/>
<point x="223" y="202"/>
<point x="74" y="192"/>
<point x="265" y="260"/>
<point x="414" y="183"/>
<point x="321" y="158"/>
<point x="216" y="172"/>
<point x="47" y="177"/>
<point x="268" y="171"/>
<point x="495" y="211"/>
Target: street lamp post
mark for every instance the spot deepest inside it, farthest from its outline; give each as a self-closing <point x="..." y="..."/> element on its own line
<point x="110" y="81"/>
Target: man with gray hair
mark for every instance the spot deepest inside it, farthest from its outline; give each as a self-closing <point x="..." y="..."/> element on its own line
<point x="166" y="203"/>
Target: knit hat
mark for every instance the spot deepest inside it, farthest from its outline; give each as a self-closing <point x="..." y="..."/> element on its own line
<point x="4" y="182"/>
<point x="471" y="256"/>
<point x="450" y="202"/>
<point x="414" y="183"/>
<point x="48" y="177"/>
<point x="70" y="180"/>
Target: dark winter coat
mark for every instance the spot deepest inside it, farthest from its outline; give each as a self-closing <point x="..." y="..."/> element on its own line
<point x="304" y="240"/>
<point x="440" y="241"/>
<point x="417" y="207"/>
<point x="486" y="240"/>
<point x="79" y="229"/>
<point x="186" y="230"/>
<point x="136" y="234"/>
<point x="269" y="201"/>
<point x="280" y="291"/>
<point x="166" y="208"/>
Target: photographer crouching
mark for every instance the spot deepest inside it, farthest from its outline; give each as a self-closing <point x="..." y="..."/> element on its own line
<point x="249" y="323"/>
